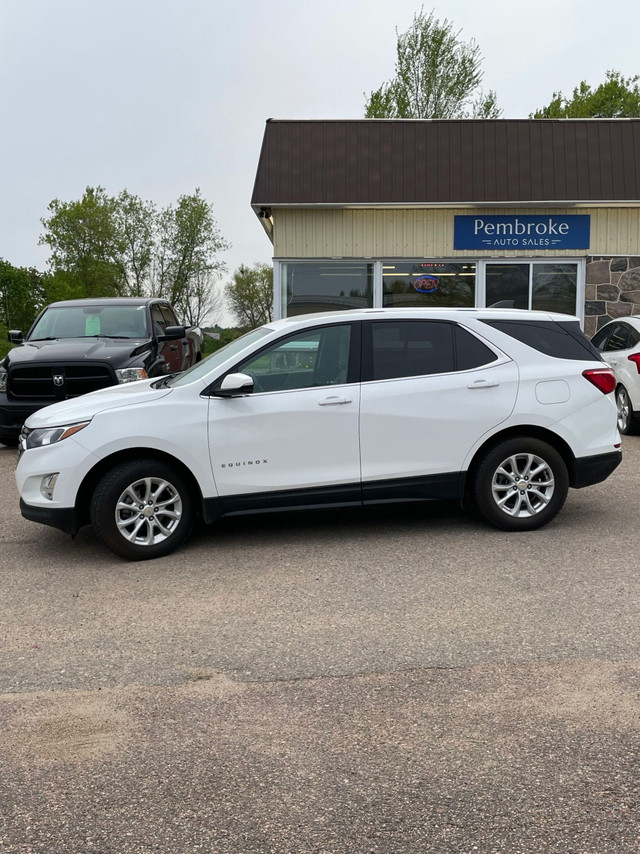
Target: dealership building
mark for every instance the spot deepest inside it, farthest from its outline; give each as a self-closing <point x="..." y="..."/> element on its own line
<point x="533" y="214"/>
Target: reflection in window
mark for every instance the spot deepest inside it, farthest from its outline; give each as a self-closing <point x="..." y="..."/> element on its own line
<point x="507" y="286"/>
<point x="554" y="287"/>
<point x="420" y="284"/>
<point x="315" y="357"/>
<point x="326" y="286"/>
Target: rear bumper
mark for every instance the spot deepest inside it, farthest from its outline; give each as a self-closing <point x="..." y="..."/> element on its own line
<point x="590" y="470"/>
<point x="63" y="518"/>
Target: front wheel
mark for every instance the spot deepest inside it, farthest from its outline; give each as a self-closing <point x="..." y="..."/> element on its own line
<point x="142" y="509"/>
<point x="521" y="484"/>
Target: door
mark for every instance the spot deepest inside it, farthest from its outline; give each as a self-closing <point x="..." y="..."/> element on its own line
<point x="184" y="346"/>
<point x="170" y="353"/>
<point x="430" y="390"/>
<point x="295" y="438"/>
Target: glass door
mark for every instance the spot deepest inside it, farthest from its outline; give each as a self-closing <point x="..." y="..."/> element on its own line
<point x="507" y="286"/>
<point x="537" y="285"/>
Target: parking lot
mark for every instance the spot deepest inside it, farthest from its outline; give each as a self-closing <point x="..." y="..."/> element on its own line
<point x="403" y="679"/>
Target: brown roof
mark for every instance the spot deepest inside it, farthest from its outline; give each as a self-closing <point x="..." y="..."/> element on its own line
<point x="395" y="162"/>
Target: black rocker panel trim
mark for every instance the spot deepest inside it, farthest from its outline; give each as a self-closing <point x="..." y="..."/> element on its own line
<point x="433" y="487"/>
<point x="439" y="487"/>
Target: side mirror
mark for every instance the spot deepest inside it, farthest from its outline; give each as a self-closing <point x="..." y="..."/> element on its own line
<point x="15" y="336"/>
<point x="173" y="333"/>
<point x="234" y="385"/>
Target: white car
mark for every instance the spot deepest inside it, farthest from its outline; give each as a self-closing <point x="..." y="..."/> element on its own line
<point x="507" y="408"/>
<point x="619" y="343"/>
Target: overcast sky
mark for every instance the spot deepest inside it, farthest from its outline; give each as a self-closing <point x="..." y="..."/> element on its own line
<point x="162" y="96"/>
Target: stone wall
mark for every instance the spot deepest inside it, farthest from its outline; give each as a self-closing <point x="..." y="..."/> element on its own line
<point x="612" y="290"/>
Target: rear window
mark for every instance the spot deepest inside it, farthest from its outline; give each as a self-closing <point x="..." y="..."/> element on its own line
<point x="561" y="339"/>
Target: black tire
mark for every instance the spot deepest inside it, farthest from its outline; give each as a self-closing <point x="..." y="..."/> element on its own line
<point x="147" y="530"/>
<point x="520" y="484"/>
<point x="9" y="439"/>
<point x="627" y="422"/>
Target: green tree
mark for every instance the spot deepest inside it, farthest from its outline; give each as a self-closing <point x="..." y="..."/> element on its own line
<point x="122" y="246"/>
<point x="186" y="266"/>
<point x="618" y="97"/>
<point x="135" y="222"/>
<point x="22" y="295"/>
<point x="250" y="295"/>
<point x="86" y="244"/>
<point x="437" y="76"/>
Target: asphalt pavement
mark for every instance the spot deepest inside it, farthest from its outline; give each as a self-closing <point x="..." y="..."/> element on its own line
<point x="402" y="679"/>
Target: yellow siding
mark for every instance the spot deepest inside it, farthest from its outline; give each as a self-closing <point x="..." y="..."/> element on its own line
<point x="421" y="233"/>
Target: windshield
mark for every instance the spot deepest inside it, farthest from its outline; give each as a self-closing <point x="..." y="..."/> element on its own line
<point x="229" y="350"/>
<point x="89" y="321"/>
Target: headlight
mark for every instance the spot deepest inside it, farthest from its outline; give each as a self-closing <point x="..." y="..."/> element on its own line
<point x="3" y="379"/>
<point x="130" y="375"/>
<point x="42" y="436"/>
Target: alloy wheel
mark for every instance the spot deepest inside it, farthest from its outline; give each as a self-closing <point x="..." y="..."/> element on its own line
<point x="148" y="511"/>
<point x="522" y="485"/>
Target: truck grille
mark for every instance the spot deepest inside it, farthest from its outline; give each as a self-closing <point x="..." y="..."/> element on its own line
<point x="58" y="382"/>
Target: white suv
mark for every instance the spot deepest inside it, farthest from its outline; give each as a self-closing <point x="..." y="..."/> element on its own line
<point x="507" y="408"/>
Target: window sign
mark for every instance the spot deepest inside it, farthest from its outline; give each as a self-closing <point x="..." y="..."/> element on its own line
<point x="418" y="284"/>
<point x="92" y="325"/>
<point x="520" y="232"/>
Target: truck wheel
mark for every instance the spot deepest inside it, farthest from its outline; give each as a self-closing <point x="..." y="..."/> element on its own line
<point x="142" y="509"/>
<point x="521" y="484"/>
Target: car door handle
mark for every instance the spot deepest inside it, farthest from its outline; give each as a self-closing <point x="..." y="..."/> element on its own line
<point x="334" y="400"/>
<point x="484" y="384"/>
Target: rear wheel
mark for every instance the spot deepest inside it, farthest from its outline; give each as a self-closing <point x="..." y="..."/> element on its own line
<point x="521" y="484"/>
<point x="142" y="509"/>
<point x="627" y="423"/>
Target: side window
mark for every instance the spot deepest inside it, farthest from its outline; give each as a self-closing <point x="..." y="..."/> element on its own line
<point x="560" y="339"/>
<point x="634" y="337"/>
<point x="316" y="357"/>
<point x="158" y="321"/>
<point x="601" y="337"/>
<point x="168" y="316"/>
<point x="470" y="351"/>
<point x="408" y="348"/>
<point x="619" y="338"/>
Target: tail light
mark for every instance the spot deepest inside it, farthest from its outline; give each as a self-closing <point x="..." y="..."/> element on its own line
<point x="635" y="357"/>
<point x="603" y="379"/>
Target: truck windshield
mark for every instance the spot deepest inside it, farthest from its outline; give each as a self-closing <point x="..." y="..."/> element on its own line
<point x="201" y="369"/>
<point x="89" y="321"/>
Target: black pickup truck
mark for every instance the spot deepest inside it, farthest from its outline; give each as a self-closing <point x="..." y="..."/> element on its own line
<point x="78" y="346"/>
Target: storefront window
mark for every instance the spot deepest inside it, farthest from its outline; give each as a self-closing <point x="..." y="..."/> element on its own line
<point x="554" y="287"/>
<point x="507" y="286"/>
<point x="542" y="287"/>
<point x="420" y="284"/>
<point x="326" y="286"/>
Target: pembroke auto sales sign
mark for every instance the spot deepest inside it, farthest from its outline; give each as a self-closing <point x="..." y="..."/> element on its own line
<point x="521" y="232"/>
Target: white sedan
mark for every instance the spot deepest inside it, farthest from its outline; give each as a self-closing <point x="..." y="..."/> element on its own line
<point x="619" y="343"/>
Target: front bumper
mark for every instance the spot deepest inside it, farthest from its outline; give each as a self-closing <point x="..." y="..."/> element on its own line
<point x="63" y="518"/>
<point x="13" y="415"/>
<point x="595" y="469"/>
